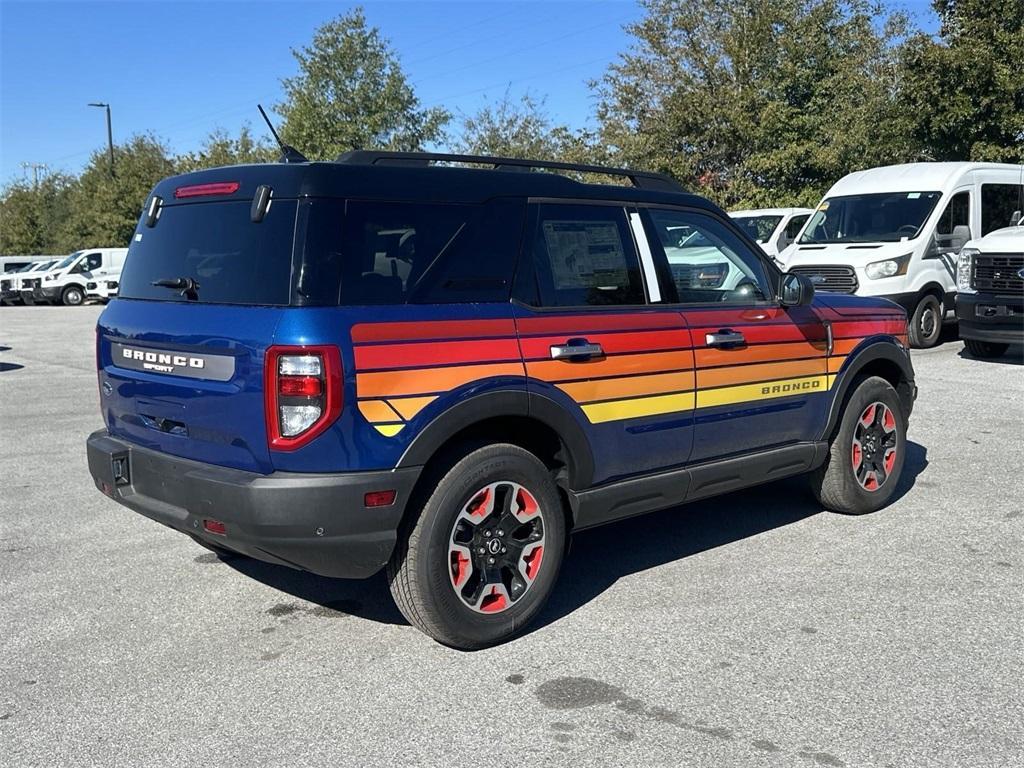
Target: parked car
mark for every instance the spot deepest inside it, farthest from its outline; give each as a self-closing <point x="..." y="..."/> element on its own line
<point x="11" y="284"/>
<point x="773" y="228"/>
<point x="65" y="283"/>
<point x="990" y="292"/>
<point x="10" y="264"/>
<point x="443" y="371"/>
<point x="896" y="232"/>
<point x="103" y="284"/>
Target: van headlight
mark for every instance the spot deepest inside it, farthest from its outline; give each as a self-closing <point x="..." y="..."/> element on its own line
<point x="888" y="268"/>
<point x="964" y="267"/>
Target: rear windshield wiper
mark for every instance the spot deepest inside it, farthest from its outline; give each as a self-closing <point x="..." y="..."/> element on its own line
<point x="189" y="288"/>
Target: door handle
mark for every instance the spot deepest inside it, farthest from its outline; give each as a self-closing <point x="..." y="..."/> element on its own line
<point x="576" y="350"/>
<point x="725" y="338"/>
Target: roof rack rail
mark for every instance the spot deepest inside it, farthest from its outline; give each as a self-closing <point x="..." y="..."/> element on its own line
<point x="639" y="179"/>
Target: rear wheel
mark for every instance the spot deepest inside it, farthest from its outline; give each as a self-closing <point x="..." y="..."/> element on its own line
<point x="72" y="296"/>
<point x="985" y="348"/>
<point x="867" y="451"/>
<point x="478" y="563"/>
<point x="926" y="322"/>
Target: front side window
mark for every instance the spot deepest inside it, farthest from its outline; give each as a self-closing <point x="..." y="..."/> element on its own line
<point x="795" y="225"/>
<point x="758" y="228"/>
<point x="584" y="255"/>
<point x="885" y="217"/>
<point x="957" y="215"/>
<point x="1001" y="206"/>
<point x="708" y="262"/>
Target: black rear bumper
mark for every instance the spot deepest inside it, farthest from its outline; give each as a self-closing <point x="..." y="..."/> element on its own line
<point x="315" y="523"/>
<point x="991" y="317"/>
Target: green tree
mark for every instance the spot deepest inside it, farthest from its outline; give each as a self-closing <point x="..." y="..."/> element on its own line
<point x="756" y="102"/>
<point x="220" y="149"/>
<point x="965" y="91"/>
<point x="351" y="93"/>
<point x="105" y="210"/>
<point x="32" y="216"/>
<point x="511" y="128"/>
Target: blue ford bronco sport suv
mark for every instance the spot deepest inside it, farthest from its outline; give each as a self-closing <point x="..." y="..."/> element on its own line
<point x="403" y="361"/>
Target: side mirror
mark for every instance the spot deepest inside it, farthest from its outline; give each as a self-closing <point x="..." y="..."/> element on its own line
<point x="797" y="290"/>
<point x="961" y="234"/>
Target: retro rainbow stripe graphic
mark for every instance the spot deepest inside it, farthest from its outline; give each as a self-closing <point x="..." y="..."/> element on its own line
<point x="653" y="363"/>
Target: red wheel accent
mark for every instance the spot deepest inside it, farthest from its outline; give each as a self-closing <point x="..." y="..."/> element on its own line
<point x="857" y="455"/>
<point x="479" y="506"/>
<point x="890" y="460"/>
<point x="532" y="561"/>
<point x="460" y="568"/>
<point x="494" y="602"/>
<point x="527" y="504"/>
<point x="868" y="417"/>
<point x="888" y="421"/>
<point x="873" y="447"/>
<point x="871" y="481"/>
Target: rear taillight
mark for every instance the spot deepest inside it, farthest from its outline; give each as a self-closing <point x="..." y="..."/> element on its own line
<point x="303" y="393"/>
<point x="207" y="190"/>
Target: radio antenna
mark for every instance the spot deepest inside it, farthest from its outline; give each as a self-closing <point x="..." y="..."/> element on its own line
<point x="288" y="154"/>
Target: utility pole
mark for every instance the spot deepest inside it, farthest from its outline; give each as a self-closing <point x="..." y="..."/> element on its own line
<point x="36" y="167"/>
<point x="110" y="134"/>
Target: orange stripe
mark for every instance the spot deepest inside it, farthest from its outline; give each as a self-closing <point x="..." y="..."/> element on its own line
<point x="408" y="407"/>
<point x="630" y="386"/>
<point x="765" y="353"/>
<point x="420" y="380"/>
<point x="376" y="410"/>
<point x="844" y="346"/>
<point x="742" y="374"/>
<point x="835" y="363"/>
<point x="651" y="362"/>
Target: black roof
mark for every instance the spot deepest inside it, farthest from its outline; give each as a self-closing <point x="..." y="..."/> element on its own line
<point x="415" y="177"/>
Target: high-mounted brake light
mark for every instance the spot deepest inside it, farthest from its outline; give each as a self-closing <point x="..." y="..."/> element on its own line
<point x="205" y="190"/>
<point x="303" y="394"/>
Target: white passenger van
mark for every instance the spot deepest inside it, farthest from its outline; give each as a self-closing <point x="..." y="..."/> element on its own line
<point x="772" y="228"/>
<point x="896" y="232"/>
<point x="65" y="283"/>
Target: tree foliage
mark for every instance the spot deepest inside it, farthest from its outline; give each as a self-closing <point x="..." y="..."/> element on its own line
<point x="965" y="91"/>
<point x="351" y="93"/>
<point x="32" y="216"/>
<point x="510" y="128"/>
<point x="220" y="148"/>
<point x="756" y="101"/>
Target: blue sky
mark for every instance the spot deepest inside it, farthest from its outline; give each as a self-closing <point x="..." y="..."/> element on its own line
<point x="181" y="69"/>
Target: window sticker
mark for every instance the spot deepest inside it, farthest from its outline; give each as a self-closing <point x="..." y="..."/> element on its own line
<point x="585" y="254"/>
<point x="913" y="195"/>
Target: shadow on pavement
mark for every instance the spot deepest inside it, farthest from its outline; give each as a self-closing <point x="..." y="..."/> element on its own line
<point x="10" y="367"/>
<point x="599" y="557"/>
<point x="1013" y="356"/>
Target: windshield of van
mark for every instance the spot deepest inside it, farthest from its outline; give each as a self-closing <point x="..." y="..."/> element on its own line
<point x="229" y="258"/>
<point x="67" y="260"/>
<point x="886" y="217"/>
<point x="43" y="266"/>
<point x="759" y="228"/>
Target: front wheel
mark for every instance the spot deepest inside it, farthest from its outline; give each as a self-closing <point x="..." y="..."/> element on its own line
<point x="478" y="563"/>
<point x="985" y="348"/>
<point x="926" y="322"/>
<point x="72" y="296"/>
<point x="866" y="453"/>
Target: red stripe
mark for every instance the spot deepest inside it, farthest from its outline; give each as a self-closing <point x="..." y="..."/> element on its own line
<point x="432" y="329"/>
<point x="539" y="347"/>
<point x="855" y="328"/>
<point x="384" y="356"/>
<point x="583" y="324"/>
<point x="766" y="334"/>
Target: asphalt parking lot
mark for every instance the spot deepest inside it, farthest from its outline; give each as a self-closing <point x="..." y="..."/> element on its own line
<point x="749" y="630"/>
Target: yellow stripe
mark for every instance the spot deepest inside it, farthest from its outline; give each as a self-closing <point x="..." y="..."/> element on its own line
<point x="637" y="407"/>
<point x="408" y="407"/>
<point x="806" y="385"/>
<point x="388" y="430"/>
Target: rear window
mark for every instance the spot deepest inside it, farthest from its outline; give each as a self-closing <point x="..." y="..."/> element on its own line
<point x="232" y="259"/>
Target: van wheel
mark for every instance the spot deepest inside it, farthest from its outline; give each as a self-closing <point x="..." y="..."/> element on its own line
<point x="926" y="322"/>
<point x="479" y="561"/>
<point x="985" y="348"/>
<point x="72" y="296"/>
<point x="866" y="453"/>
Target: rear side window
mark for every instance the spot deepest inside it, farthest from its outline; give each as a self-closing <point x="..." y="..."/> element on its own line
<point x="584" y="255"/>
<point x="232" y="259"/>
<point x="795" y="225"/>
<point x="1001" y="206"/>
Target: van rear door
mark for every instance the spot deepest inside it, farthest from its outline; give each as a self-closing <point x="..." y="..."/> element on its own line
<point x="181" y="350"/>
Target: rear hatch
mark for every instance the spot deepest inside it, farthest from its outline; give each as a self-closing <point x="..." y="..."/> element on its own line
<point x="181" y="364"/>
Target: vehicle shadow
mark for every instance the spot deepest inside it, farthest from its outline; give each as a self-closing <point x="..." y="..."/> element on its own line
<point x="599" y="557"/>
<point x="1013" y="356"/>
<point x="10" y="367"/>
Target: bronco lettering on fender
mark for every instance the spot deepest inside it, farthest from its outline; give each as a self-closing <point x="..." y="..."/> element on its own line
<point x="791" y="386"/>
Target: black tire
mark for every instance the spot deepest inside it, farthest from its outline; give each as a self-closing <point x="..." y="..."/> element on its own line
<point x="420" y="571"/>
<point x="835" y="483"/>
<point x="926" y="322"/>
<point x="985" y="348"/>
<point x="72" y="296"/>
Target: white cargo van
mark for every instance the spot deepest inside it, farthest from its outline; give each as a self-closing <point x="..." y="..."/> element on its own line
<point x="896" y="232"/>
<point x="66" y="282"/>
<point x="773" y="228"/>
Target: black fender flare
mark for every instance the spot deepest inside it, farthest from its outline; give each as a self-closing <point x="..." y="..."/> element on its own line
<point x="879" y="349"/>
<point x="506" y="403"/>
